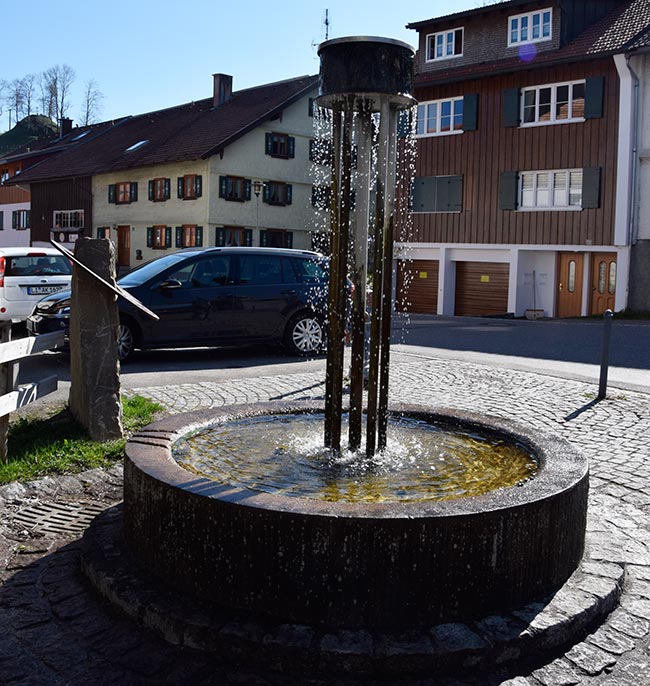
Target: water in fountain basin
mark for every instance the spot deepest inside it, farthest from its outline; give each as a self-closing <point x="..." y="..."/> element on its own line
<point x="284" y="454"/>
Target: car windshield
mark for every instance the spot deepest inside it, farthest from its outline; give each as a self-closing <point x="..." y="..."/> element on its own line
<point x="150" y="269"/>
<point x="36" y="264"/>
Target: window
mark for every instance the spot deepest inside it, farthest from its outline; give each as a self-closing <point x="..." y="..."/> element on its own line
<point x="276" y="238"/>
<point x="68" y="219"/>
<point x="159" y="236"/>
<point x="440" y="117"/>
<point x="123" y="193"/>
<point x="445" y="44"/>
<point x="189" y="187"/>
<point x="2" y="220"/>
<point x="159" y="189"/>
<point x="189" y="236"/>
<point x="21" y="219"/>
<point x="234" y="188"/>
<point x="548" y="190"/>
<point x="437" y="194"/>
<point x="103" y="232"/>
<point x="320" y="197"/>
<point x="234" y="235"/>
<point x="531" y="27"/>
<point x="4" y="175"/>
<point x="135" y="146"/>
<point x="277" y="193"/>
<point x="554" y="104"/>
<point x="280" y="145"/>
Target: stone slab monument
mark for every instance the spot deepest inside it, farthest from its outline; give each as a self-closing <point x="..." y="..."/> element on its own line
<point x="94" y="320"/>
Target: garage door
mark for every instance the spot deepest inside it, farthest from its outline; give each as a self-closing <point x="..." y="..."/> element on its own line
<point x="417" y="286"/>
<point x="481" y="288"/>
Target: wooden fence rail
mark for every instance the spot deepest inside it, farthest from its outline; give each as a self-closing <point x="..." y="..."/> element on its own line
<point x="18" y="396"/>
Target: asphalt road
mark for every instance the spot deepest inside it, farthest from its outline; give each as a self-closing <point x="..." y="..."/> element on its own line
<point x="564" y="348"/>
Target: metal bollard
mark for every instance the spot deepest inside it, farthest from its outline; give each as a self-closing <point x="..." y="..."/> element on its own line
<point x="604" y="359"/>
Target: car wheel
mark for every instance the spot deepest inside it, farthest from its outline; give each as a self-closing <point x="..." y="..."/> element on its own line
<point x="305" y="335"/>
<point x="125" y="342"/>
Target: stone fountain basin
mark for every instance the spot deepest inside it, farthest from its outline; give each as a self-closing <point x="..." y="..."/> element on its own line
<point x="375" y="565"/>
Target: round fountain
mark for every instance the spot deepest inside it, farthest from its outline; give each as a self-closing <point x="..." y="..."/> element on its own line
<point x="248" y="541"/>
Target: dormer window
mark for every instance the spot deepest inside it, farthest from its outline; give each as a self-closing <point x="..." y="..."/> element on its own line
<point x="445" y="44"/>
<point x="531" y="27"/>
<point x="135" y="146"/>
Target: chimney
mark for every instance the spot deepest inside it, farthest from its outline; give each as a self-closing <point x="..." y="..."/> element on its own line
<point x="222" y="88"/>
<point x="65" y="126"/>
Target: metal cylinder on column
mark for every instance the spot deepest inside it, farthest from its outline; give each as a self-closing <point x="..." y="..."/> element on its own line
<point x="365" y="82"/>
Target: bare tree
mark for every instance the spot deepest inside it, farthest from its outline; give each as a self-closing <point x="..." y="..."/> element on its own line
<point x="3" y="93"/>
<point x="15" y="99"/>
<point x="28" y="88"/>
<point x="66" y="76"/>
<point x="92" y="99"/>
<point x="55" y="88"/>
<point x="48" y="97"/>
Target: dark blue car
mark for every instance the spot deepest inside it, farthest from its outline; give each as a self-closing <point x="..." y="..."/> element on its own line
<point x="215" y="297"/>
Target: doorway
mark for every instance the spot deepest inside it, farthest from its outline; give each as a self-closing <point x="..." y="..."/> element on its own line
<point x="123" y="246"/>
<point x="569" y="284"/>
<point x="603" y="282"/>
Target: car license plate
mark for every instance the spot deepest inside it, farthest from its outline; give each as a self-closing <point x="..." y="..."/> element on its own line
<point x="43" y="290"/>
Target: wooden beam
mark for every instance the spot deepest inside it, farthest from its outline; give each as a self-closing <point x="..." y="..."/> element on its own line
<point x="22" y="347"/>
<point x="27" y="393"/>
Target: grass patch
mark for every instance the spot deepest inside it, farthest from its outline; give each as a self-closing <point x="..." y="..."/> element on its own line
<point x="60" y="445"/>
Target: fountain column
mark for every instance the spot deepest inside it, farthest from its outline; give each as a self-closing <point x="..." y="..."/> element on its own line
<point x="365" y="82"/>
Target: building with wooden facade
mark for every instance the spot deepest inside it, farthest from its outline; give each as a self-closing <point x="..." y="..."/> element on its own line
<point x="526" y="159"/>
<point x="232" y="169"/>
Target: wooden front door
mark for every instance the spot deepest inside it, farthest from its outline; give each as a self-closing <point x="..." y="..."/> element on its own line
<point x="123" y="246"/>
<point x="603" y="282"/>
<point x="569" y="284"/>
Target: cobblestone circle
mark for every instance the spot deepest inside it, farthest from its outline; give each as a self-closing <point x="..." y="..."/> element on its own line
<point x="56" y="631"/>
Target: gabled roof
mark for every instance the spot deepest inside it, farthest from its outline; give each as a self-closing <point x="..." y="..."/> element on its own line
<point x="468" y="13"/>
<point x="622" y="30"/>
<point x="191" y="131"/>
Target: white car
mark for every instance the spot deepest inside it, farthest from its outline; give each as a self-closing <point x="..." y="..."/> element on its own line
<point x="27" y="275"/>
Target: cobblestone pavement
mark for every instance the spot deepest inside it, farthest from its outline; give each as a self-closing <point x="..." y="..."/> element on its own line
<point x="54" y="630"/>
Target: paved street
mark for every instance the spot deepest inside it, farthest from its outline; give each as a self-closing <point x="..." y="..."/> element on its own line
<point x="56" y="631"/>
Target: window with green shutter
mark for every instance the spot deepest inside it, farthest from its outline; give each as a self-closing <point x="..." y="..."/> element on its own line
<point x="508" y="190"/>
<point x="280" y="145"/>
<point x="234" y="188"/>
<point x="189" y="187"/>
<point x="278" y="193"/>
<point x="437" y="194"/>
<point x="159" y="189"/>
<point x="594" y="97"/>
<point x="510" y="104"/>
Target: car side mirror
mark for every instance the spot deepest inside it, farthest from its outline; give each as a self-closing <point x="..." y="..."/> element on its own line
<point x="170" y="284"/>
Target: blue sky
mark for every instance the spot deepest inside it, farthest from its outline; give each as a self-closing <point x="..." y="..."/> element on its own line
<point x="150" y="54"/>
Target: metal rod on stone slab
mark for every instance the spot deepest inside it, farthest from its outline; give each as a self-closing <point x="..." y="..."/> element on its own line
<point x="359" y="276"/>
<point x="332" y="373"/>
<point x="390" y="113"/>
<point x="338" y="279"/>
<point x="604" y="359"/>
<point x="377" y="297"/>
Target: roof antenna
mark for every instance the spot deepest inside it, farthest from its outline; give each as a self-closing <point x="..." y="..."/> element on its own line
<point x="326" y="23"/>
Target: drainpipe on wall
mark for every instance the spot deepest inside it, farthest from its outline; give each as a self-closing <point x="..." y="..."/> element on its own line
<point x="634" y="215"/>
<point x="625" y="163"/>
<point x="625" y="173"/>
